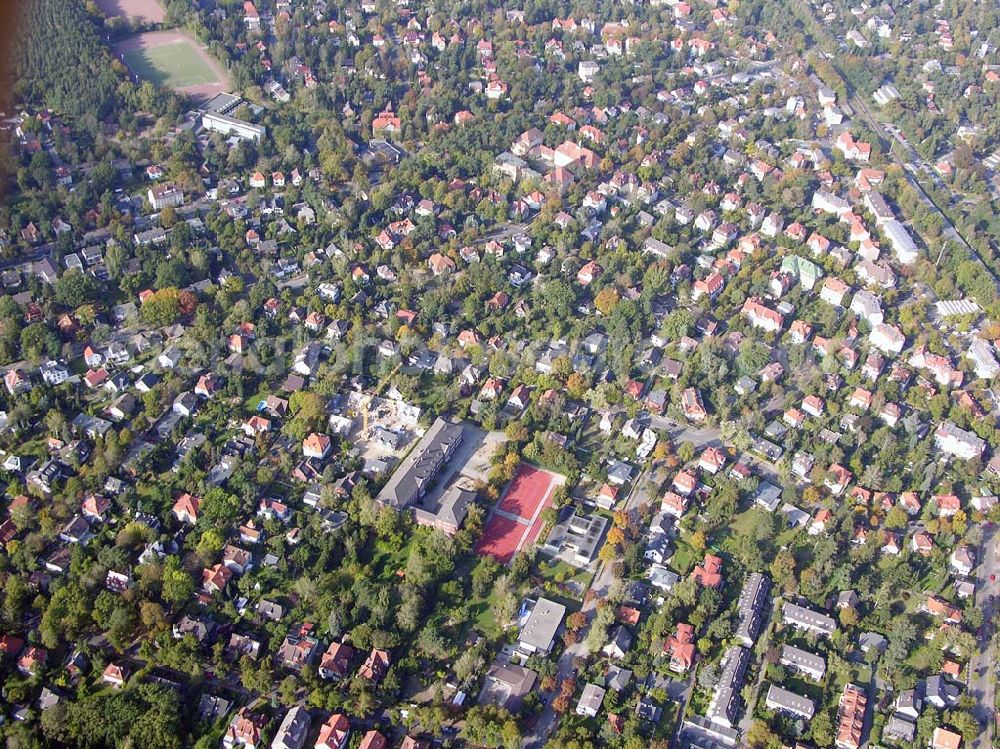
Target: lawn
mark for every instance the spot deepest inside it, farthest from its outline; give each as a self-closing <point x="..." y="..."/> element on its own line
<point x="253" y="402"/>
<point x="743" y="522"/>
<point x="389" y="559"/>
<point x="787" y="536"/>
<point x="173" y="65"/>
<point x="561" y="572"/>
<point x="483" y="613"/>
<point x="683" y="558"/>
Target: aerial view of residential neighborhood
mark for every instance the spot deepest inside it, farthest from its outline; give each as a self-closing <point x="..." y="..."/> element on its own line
<point x="556" y="374"/>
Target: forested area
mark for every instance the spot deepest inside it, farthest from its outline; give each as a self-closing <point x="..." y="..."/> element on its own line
<point x="61" y="62"/>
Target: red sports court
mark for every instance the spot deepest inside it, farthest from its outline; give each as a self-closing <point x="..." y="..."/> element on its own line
<point x="516" y="521"/>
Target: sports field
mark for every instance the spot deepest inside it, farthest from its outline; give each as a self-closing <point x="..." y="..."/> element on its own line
<point x="172" y="59"/>
<point x="175" y="65"/>
<point x="516" y="520"/>
<point x="525" y="491"/>
<point x="501" y="538"/>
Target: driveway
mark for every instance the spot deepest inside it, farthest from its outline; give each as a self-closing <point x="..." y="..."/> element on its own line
<point x="679" y="432"/>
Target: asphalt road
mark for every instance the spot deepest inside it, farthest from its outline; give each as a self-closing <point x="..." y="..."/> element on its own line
<point x="643" y="493"/>
<point x="679" y="432"/>
<point x="33" y="255"/>
<point x="982" y="682"/>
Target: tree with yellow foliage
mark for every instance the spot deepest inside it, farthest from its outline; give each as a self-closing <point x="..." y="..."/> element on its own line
<point x="616" y="536"/>
<point x="606" y="300"/>
<point x="576" y="385"/>
<point x="608" y="553"/>
<point x="698" y="541"/>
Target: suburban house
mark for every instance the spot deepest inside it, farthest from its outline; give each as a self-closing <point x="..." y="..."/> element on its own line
<point x="506" y="685"/>
<point x="316" y="446"/>
<point x="335" y="663"/>
<point x="692" y="405"/>
<point x="376" y="666"/>
<point x="807" y="620"/>
<point x="186" y="509"/>
<point x="802" y="661"/>
<point x="680" y="646"/>
<point x="334" y="732"/>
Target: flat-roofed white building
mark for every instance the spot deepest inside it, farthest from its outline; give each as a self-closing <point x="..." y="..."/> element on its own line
<point x="221" y="123"/>
<point x="539" y="632"/>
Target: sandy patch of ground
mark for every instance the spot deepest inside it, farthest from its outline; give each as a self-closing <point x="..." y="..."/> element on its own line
<point x="145" y="11"/>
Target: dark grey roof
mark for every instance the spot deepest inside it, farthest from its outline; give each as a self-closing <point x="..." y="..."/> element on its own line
<point x="898" y="727"/>
<point x="506" y="685"/>
<point x="618" y="678"/>
<point x="802" y="660"/>
<point x="293" y="729"/>
<point x="422" y="465"/>
<point x="620" y="639"/>
<point x="805" y="618"/>
<point x="782" y="699"/>
<point x="577" y="532"/>
<point x="727" y="703"/>
<point x="936" y="688"/>
<point x="450" y="509"/>
<point x="751" y="607"/>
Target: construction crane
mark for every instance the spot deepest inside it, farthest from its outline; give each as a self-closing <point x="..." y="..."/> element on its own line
<point x="366" y="399"/>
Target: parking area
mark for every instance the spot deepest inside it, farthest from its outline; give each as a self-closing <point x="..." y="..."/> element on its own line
<point x="470" y="463"/>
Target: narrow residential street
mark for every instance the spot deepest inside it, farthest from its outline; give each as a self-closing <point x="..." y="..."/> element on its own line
<point x="685" y="699"/>
<point x="982" y="681"/>
<point x="679" y="432"/>
<point x="546" y="721"/>
<point x="642" y="494"/>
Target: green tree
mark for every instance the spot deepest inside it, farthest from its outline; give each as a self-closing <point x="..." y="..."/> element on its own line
<point x="219" y="508"/>
<point x="722" y="504"/>
<point x="66" y="616"/>
<point x="161" y="308"/>
<point x="760" y="736"/>
<point x="177" y="583"/>
<point x="309" y="412"/>
<point x="491" y="726"/>
<point x="678" y="324"/>
<point x="821" y="729"/>
<point x="75" y="288"/>
<point x="209" y="545"/>
<point x="38" y="342"/>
